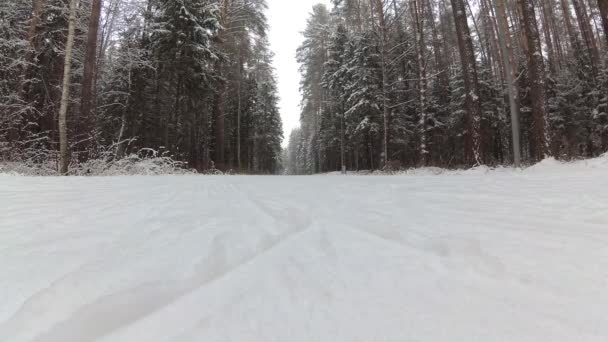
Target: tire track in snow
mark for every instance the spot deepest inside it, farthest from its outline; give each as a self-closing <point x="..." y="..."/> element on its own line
<point x="98" y="317"/>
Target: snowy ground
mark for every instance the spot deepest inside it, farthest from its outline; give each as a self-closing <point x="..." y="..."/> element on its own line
<point x="478" y="256"/>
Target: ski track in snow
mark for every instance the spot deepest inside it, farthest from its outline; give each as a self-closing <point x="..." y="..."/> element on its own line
<point x="512" y="256"/>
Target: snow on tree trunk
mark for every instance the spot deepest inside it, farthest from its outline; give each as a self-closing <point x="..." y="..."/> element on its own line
<point x="383" y="61"/>
<point x="37" y="7"/>
<point x="65" y="95"/>
<point x="473" y="151"/>
<point x="422" y="80"/>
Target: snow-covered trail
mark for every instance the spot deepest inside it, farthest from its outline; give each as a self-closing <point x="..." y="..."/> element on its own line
<point x="499" y="257"/>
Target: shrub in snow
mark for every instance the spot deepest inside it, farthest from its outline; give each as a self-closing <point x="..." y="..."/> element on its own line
<point x="28" y="168"/>
<point x="131" y="165"/>
<point x="147" y="163"/>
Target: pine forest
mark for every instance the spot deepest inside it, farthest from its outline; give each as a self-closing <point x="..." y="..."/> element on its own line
<point x="385" y="84"/>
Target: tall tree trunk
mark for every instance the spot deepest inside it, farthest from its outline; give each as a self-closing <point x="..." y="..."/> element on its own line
<point x="603" y="6"/>
<point x="121" y="146"/>
<point x="220" y="99"/>
<point x="404" y="47"/>
<point x="37" y="7"/>
<point x="440" y="65"/>
<point x="504" y="39"/>
<point x="442" y="87"/>
<point x="484" y="54"/>
<point x="239" y="104"/>
<point x="491" y="41"/>
<point x="550" y="6"/>
<point x="359" y="20"/>
<point x="548" y="40"/>
<point x="597" y="30"/>
<point x="65" y="95"/>
<point x="383" y="51"/>
<point x="585" y="27"/>
<point x="536" y="77"/>
<point x="107" y="30"/>
<point x="342" y="142"/>
<point x="473" y="149"/>
<point x="574" y="42"/>
<point x="422" y="79"/>
<point x="85" y="122"/>
<point x="219" y="126"/>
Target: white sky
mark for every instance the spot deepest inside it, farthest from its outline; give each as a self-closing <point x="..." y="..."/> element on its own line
<point x="287" y="18"/>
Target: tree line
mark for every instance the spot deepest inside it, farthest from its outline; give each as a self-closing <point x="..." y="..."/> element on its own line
<point x="389" y="84"/>
<point x="87" y="79"/>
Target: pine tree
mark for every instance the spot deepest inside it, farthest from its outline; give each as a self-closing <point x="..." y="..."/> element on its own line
<point x="335" y="78"/>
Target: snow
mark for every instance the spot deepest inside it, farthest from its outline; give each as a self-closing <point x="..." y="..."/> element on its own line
<point x="486" y="255"/>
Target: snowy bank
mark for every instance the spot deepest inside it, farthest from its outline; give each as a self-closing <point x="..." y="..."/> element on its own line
<point x="548" y="165"/>
<point x="132" y="165"/>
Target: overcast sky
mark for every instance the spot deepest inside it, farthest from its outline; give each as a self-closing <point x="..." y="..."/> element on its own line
<point x="287" y="18"/>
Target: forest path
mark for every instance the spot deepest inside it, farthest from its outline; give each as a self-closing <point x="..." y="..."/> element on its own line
<point x="504" y="256"/>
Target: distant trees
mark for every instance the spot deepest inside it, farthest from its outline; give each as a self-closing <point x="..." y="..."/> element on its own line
<point x="431" y="82"/>
<point x="191" y="79"/>
<point x="313" y="55"/>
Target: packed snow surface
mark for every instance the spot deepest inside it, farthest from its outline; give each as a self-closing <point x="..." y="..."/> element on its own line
<point x="477" y="256"/>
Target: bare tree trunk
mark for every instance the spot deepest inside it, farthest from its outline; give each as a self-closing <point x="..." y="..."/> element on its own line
<point x="585" y="27"/>
<point x="342" y="142"/>
<point x="603" y="6"/>
<point x="574" y="42"/>
<point x="85" y="122"/>
<point x="36" y="13"/>
<point x="484" y="54"/>
<point x="503" y="33"/>
<point x="359" y="20"/>
<point x="491" y="41"/>
<point x="220" y="100"/>
<point x="550" y="6"/>
<point x="108" y="28"/>
<point x="548" y="40"/>
<point x="403" y="64"/>
<point x="440" y="64"/>
<point x="370" y="149"/>
<point x="536" y="76"/>
<point x="383" y="51"/>
<point x="37" y="7"/>
<point x="593" y="10"/>
<point x="422" y="79"/>
<point x="65" y="95"/>
<point x="239" y="108"/>
<point x="120" y="149"/>
<point x="473" y="149"/>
